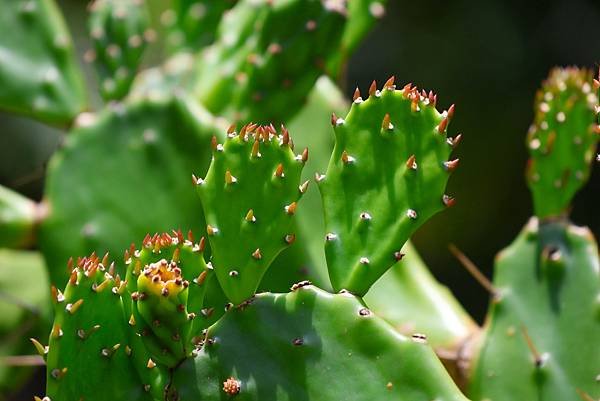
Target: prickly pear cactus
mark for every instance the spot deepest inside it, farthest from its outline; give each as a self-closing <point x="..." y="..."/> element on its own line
<point x="168" y="280"/>
<point x="311" y="345"/>
<point x="249" y="196"/>
<point x="562" y="140"/>
<point x="195" y="22"/>
<point x="18" y="217"/>
<point x="89" y="355"/>
<point x="386" y="177"/>
<point x="540" y="340"/>
<point x="124" y="173"/>
<point x="119" y="32"/>
<point x="267" y="56"/>
<point x="38" y="70"/>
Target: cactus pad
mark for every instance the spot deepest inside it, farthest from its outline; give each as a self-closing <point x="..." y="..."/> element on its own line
<point x="18" y="217"/>
<point x="39" y="74"/>
<point x="386" y="177"/>
<point x="541" y="336"/>
<point x="267" y="57"/>
<point x="123" y="174"/>
<point x="89" y="356"/>
<point x="562" y="140"/>
<point x="311" y="345"/>
<point x="249" y="197"/>
<point x="118" y="29"/>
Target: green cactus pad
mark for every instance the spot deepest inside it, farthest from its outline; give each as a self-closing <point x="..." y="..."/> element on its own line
<point x="548" y="291"/>
<point x="311" y="345"/>
<point x="249" y="197"/>
<point x="267" y="57"/>
<point x="89" y="356"/>
<point x="167" y="280"/>
<point x="18" y="217"/>
<point x="125" y="173"/>
<point x="195" y="23"/>
<point x="386" y="177"/>
<point x="25" y="311"/>
<point x="562" y="140"/>
<point x="410" y="299"/>
<point x="39" y="74"/>
<point x="118" y="29"/>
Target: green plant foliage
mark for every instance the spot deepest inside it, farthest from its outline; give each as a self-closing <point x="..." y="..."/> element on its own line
<point x="249" y="197"/>
<point x="386" y="177"/>
<point x="541" y="335"/>
<point x="267" y="56"/>
<point x="38" y="71"/>
<point x="24" y="309"/>
<point x="18" y="216"/>
<point x="562" y="140"/>
<point x="122" y="174"/>
<point x="310" y="344"/>
<point x="119" y="32"/>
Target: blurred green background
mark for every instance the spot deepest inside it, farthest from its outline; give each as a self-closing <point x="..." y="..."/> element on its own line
<point x="487" y="57"/>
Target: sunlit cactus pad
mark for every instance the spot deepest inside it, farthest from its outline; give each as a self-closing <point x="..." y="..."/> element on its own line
<point x="250" y="195"/>
<point x="311" y="345"/>
<point x="386" y="177"/>
<point x="562" y="140"/>
<point x="541" y="335"/>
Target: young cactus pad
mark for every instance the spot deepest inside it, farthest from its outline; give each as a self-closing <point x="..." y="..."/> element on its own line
<point x="562" y="140"/>
<point x="311" y="345"/>
<point x="90" y="355"/>
<point x="386" y="177"/>
<point x="167" y="280"/>
<point x="267" y="56"/>
<point x="249" y="197"/>
<point x="119" y="32"/>
<point x="541" y="336"/>
<point x="38" y="70"/>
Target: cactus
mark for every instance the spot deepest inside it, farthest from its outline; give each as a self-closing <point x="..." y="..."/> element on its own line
<point x="119" y="32"/>
<point x="249" y="197"/>
<point x="372" y="202"/>
<point x="25" y="313"/>
<point x="18" y="217"/>
<point x="39" y="74"/>
<point x="195" y="23"/>
<point x="267" y="56"/>
<point x="548" y="279"/>
<point x="307" y="345"/>
<point x="562" y="139"/>
<point x="132" y="162"/>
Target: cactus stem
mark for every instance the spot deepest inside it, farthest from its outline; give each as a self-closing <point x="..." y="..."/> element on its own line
<point x="473" y="270"/>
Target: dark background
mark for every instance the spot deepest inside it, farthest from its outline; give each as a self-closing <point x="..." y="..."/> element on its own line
<point x="487" y="57"/>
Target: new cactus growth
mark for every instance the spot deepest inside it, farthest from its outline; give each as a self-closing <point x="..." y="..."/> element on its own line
<point x="386" y="177"/>
<point x="562" y="139"/>
<point x="548" y="280"/>
<point x="250" y="195"/>
<point x="119" y="31"/>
